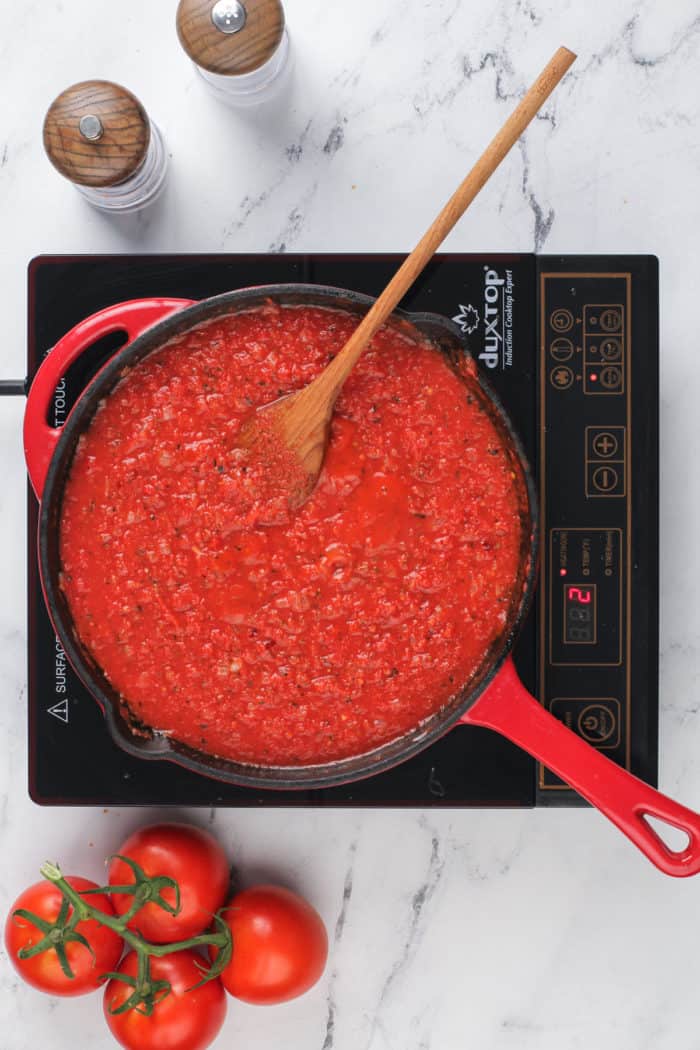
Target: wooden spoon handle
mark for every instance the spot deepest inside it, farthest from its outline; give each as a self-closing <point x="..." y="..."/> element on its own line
<point x="336" y="373"/>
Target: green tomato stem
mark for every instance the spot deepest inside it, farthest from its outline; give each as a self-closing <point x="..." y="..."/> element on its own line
<point x="82" y="910"/>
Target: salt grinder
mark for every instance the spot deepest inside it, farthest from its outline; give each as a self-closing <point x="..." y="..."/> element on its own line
<point x="239" y="47"/>
<point x="98" y="135"/>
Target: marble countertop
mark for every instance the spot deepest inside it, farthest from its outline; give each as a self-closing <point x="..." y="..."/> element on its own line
<point x="496" y="930"/>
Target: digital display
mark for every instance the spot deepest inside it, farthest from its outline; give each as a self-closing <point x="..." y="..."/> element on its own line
<point x="585" y="623"/>
<point x="579" y="614"/>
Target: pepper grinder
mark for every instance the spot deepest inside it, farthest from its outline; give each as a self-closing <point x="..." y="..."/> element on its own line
<point x="239" y="47"/>
<point x="98" y="135"/>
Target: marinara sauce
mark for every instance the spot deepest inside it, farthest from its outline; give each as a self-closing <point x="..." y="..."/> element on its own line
<point x="344" y="623"/>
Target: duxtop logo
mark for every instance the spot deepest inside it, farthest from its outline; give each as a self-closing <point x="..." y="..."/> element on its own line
<point x="497" y="348"/>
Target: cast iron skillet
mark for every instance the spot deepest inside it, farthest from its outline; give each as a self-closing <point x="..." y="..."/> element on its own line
<point x="494" y="697"/>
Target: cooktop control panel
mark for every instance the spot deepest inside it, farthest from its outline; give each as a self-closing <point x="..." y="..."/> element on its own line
<point x="594" y="554"/>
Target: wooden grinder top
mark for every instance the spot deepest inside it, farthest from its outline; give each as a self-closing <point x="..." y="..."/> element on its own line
<point x="96" y="133"/>
<point x="230" y="37"/>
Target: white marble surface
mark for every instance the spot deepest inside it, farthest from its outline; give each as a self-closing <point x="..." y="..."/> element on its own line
<point x="493" y="930"/>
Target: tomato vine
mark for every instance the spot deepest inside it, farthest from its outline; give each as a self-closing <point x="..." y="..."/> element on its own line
<point x="147" y="992"/>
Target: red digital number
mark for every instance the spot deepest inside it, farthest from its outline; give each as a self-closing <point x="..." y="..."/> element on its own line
<point x="575" y="594"/>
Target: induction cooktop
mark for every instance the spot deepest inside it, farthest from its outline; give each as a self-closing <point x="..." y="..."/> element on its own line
<point x="570" y="343"/>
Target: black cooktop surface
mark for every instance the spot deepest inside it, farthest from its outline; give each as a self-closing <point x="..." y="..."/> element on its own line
<point x="570" y="343"/>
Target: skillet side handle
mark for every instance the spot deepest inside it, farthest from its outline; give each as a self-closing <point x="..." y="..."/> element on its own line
<point x="507" y="707"/>
<point x="133" y="318"/>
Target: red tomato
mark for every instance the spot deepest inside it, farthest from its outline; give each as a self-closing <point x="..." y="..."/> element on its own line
<point x="190" y="856"/>
<point x="280" y="945"/>
<point x="44" y="971"/>
<point x="183" y="1020"/>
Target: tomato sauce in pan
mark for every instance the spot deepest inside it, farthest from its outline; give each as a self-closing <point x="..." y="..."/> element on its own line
<point x="346" y="622"/>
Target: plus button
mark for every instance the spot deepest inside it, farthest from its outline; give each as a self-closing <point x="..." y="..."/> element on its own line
<point x="605" y="445"/>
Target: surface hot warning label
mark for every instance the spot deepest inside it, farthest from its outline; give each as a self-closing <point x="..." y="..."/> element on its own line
<point x="60" y="710"/>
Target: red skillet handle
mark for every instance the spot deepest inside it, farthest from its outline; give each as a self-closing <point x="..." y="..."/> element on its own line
<point x="132" y="317"/>
<point x="507" y="707"/>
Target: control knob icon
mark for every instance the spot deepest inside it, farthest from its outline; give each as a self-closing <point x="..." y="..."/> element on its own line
<point x="561" y="378"/>
<point x="611" y="377"/>
<point x="611" y="319"/>
<point x="561" y="320"/>
<point x="561" y="349"/>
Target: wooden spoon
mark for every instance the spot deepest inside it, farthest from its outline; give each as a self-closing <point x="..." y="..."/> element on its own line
<point x="294" y="430"/>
